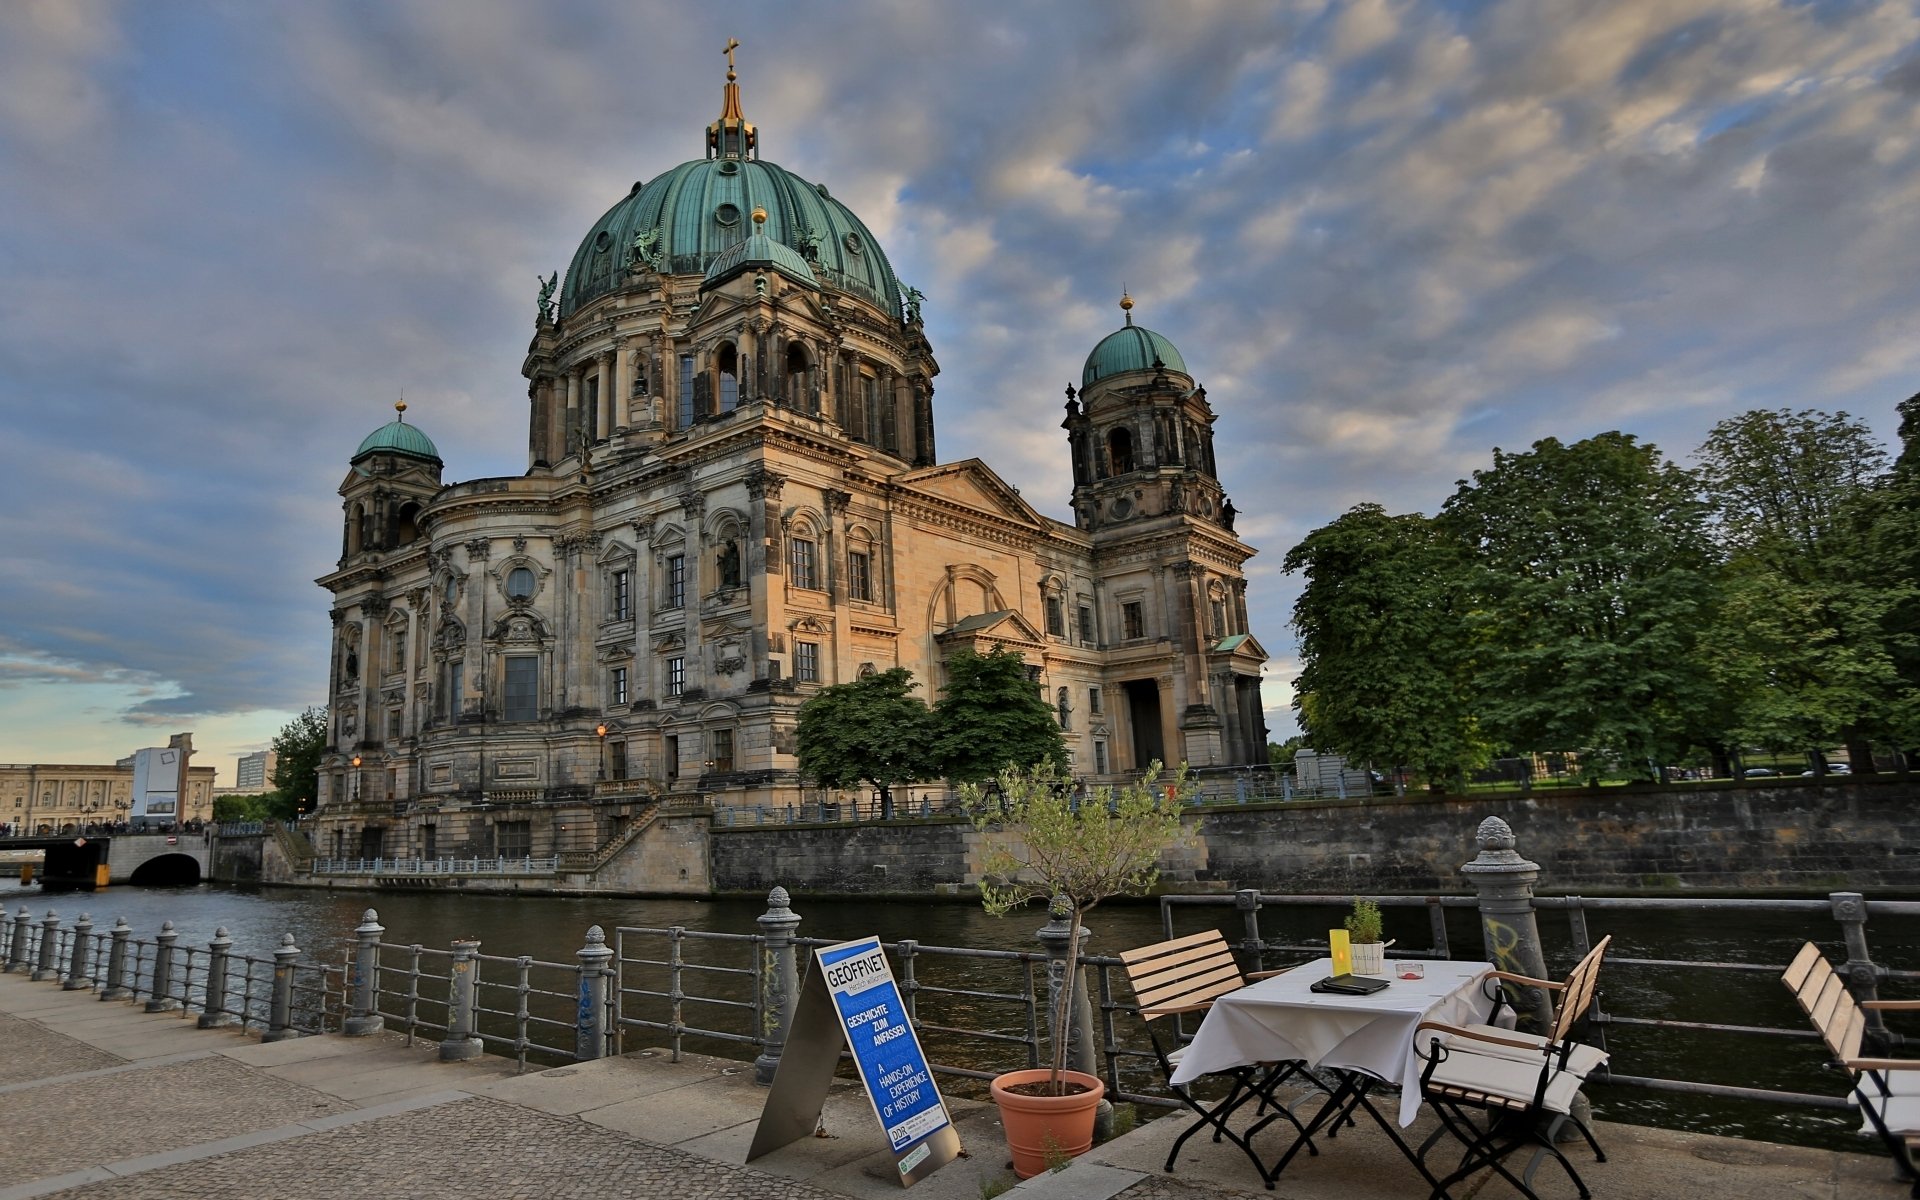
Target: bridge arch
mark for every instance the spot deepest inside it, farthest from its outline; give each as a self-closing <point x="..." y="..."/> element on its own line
<point x="167" y="870"/>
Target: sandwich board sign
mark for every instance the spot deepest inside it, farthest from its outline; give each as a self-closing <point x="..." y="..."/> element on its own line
<point x="850" y="999"/>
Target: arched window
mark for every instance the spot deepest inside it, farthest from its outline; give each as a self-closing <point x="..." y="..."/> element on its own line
<point x="520" y="583"/>
<point x="800" y="393"/>
<point x="728" y="362"/>
<point x="406" y="526"/>
<point x="356" y="519"/>
<point x="1120" y="450"/>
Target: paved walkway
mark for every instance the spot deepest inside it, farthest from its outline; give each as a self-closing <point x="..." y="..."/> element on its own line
<point x="102" y="1100"/>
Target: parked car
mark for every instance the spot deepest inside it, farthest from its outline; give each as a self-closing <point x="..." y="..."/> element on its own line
<point x="1758" y="773"/>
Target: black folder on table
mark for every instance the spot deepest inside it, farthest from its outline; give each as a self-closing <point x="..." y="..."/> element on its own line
<point x="1350" y="985"/>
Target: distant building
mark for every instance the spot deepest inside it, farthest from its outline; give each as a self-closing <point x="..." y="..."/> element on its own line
<point x="52" y="796"/>
<point x="253" y="773"/>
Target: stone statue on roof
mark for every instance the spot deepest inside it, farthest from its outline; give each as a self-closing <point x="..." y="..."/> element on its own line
<point x="547" y="287"/>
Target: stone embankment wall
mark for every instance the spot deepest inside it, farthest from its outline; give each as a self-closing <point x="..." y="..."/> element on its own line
<point x="237" y="859"/>
<point x="1786" y="836"/>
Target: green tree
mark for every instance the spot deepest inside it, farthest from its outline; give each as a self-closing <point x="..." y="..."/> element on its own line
<point x="1893" y="552"/>
<point x="1386" y="655"/>
<point x="296" y="768"/>
<point x="1280" y="754"/>
<point x="990" y="717"/>
<point x="873" y="730"/>
<point x="1587" y="568"/>
<point x="1803" y="644"/>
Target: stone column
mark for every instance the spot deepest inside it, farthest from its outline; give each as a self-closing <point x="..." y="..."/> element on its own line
<point x="1505" y="882"/>
<point x="461" y="1043"/>
<point x="214" y="1014"/>
<point x="116" y="982"/>
<point x="569" y="414"/>
<point x="366" y="1017"/>
<point x="79" y="957"/>
<point x="590" y="1023"/>
<point x="609" y="391"/>
<point x="47" y="965"/>
<point x="159" y="997"/>
<point x="17" y="949"/>
<point x="779" y="981"/>
<point x="280" y="1006"/>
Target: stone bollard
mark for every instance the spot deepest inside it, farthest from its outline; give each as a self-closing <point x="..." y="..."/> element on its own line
<point x="47" y="966"/>
<point x="366" y="1018"/>
<point x="590" y="1021"/>
<point x="280" y="1005"/>
<point x="214" y="1014"/>
<point x="461" y="1043"/>
<point x="1505" y="882"/>
<point x="1057" y="939"/>
<point x="779" y="982"/>
<point x="160" y="997"/>
<point x="17" y="948"/>
<point x="116" y="983"/>
<point x="80" y="957"/>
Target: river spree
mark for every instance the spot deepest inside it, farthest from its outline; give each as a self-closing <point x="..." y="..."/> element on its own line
<point x="552" y="928"/>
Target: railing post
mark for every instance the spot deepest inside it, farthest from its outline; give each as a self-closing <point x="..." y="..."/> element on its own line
<point x="1505" y="882"/>
<point x="48" y="962"/>
<point x="779" y="982"/>
<point x="590" y="1021"/>
<point x="460" y="1043"/>
<point x="1057" y="938"/>
<point x="280" y="1006"/>
<point x="79" y="957"/>
<point x="116" y="983"/>
<point x="17" y="948"/>
<point x="1247" y="900"/>
<point x="214" y="1014"/>
<point x="160" y="999"/>
<point x="1862" y="976"/>
<point x="366" y="1017"/>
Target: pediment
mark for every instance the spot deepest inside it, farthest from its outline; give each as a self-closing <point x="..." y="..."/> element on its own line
<point x="972" y="484"/>
<point x="1005" y="627"/>
<point x="1241" y="647"/>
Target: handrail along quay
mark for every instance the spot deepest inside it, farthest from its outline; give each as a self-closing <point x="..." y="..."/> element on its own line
<point x="1849" y="911"/>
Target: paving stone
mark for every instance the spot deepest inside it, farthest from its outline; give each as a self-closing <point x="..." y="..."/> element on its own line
<point x="453" y="1152"/>
<point x="33" y="1052"/>
<point x="145" y="1111"/>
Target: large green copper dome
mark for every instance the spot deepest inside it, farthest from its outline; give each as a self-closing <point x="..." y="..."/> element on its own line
<point x="1130" y="348"/>
<point x="398" y="437"/>
<point x="685" y="219"/>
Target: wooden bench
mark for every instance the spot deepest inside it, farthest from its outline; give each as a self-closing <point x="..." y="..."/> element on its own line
<point x="1886" y="1089"/>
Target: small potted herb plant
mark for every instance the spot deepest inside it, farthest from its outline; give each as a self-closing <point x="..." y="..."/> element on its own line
<point x="1363" y="931"/>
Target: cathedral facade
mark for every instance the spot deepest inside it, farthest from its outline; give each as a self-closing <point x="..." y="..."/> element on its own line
<point x="733" y="499"/>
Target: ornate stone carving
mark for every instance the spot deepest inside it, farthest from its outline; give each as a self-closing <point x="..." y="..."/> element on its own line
<point x="643" y="530"/>
<point x="835" y="501"/>
<point x="478" y="549"/>
<point x="693" y="503"/>
<point x="763" y="484"/>
<point x="374" y="606"/>
<point x="520" y="545"/>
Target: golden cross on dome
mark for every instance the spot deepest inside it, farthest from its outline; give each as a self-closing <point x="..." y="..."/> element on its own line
<point x="732" y="45"/>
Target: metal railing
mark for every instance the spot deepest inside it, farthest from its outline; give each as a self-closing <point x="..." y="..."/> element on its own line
<point x="436" y="866"/>
<point x="280" y="994"/>
<point x="851" y="811"/>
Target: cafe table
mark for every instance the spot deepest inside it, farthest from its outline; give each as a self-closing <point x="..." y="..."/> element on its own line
<point x="1366" y="1041"/>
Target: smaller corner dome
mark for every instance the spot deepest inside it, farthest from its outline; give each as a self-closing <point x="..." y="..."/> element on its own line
<point x="1130" y="348"/>
<point x="759" y="250"/>
<point x="398" y="437"/>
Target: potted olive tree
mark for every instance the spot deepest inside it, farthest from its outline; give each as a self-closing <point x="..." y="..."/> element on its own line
<point x="1363" y="933"/>
<point x="1081" y="848"/>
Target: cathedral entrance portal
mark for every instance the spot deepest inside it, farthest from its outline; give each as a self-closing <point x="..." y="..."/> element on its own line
<point x="1143" y="713"/>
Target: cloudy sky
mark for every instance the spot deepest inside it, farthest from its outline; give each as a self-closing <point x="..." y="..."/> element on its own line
<point x="1387" y="237"/>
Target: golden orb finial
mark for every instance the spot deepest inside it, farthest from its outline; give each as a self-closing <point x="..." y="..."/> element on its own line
<point x="759" y="215"/>
<point x="1126" y="304"/>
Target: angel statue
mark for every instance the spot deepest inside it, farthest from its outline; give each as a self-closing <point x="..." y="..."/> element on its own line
<point x="547" y="288"/>
<point x="640" y="254"/>
<point x="913" y="297"/>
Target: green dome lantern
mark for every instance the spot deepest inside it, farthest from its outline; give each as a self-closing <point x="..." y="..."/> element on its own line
<point x="1130" y="348"/>
<point x="398" y="437"/>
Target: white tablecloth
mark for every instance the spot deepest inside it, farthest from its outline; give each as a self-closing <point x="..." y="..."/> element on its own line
<point x="1280" y="1018"/>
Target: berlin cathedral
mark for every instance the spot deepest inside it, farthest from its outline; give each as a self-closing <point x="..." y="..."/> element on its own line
<point x="733" y="499"/>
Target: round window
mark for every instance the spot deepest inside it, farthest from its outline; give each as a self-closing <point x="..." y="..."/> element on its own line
<point x="602" y="240"/>
<point x="729" y="167"/>
<point x="727" y="214"/>
<point x="821" y="188"/>
<point x="852" y="241"/>
<point x="1122" y="509"/>
<point x="453" y="591"/>
<point x="519" y="583"/>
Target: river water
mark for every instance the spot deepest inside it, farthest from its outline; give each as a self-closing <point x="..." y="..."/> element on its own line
<point x="553" y="928"/>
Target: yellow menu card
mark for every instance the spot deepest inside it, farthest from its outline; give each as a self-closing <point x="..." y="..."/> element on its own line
<point x="1338" y="942"/>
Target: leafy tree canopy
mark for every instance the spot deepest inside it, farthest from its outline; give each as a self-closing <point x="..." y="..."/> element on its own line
<point x="1587" y="572"/>
<point x="872" y="730"/>
<point x="296" y="766"/>
<point x="991" y="717"/>
<point x="1385" y="651"/>
<point x="1786" y="487"/>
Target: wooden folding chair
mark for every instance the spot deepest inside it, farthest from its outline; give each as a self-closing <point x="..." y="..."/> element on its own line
<point x="1887" y="1089"/>
<point x="1523" y="1085"/>
<point x="1186" y="975"/>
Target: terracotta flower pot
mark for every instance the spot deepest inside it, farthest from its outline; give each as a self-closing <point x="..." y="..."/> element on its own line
<point x="1039" y="1126"/>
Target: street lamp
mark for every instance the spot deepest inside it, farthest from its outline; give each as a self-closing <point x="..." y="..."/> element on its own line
<point x="353" y="782"/>
<point x="600" y="731"/>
